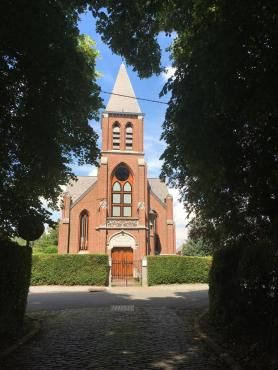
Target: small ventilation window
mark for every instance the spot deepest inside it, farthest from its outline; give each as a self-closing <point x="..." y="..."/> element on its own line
<point x="129" y="136"/>
<point x="116" y="136"/>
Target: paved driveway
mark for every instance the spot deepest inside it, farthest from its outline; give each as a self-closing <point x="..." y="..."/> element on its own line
<point x="131" y="328"/>
<point x="57" y="298"/>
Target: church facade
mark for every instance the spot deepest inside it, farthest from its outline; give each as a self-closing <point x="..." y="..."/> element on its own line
<point x="119" y="212"/>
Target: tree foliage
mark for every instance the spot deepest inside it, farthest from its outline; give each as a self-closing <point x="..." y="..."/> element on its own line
<point x="48" y="238"/>
<point x="221" y="124"/>
<point x="195" y="248"/>
<point x="48" y="92"/>
<point x="30" y="228"/>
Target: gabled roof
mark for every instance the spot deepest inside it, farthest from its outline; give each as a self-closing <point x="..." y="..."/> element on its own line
<point x="159" y="188"/>
<point x="123" y="86"/>
<point x="76" y="188"/>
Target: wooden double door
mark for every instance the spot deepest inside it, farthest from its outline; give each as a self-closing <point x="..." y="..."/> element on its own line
<point x="122" y="263"/>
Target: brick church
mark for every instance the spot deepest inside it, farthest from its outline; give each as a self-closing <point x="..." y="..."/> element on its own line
<point x="120" y="211"/>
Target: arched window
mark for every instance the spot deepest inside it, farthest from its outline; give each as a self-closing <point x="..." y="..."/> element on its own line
<point x="84" y="223"/>
<point x="122" y="192"/>
<point x="116" y="136"/>
<point x="128" y="136"/>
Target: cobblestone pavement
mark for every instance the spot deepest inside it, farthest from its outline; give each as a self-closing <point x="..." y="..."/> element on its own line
<point x="114" y="337"/>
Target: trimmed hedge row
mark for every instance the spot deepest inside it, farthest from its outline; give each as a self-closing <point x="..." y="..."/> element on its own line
<point x="15" y="272"/>
<point x="178" y="269"/>
<point x="70" y="269"/>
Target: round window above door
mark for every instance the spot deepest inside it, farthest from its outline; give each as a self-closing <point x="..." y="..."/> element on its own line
<point x="122" y="173"/>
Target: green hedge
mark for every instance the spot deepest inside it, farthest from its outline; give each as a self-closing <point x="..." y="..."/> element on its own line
<point x="70" y="269"/>
<point x="15" y="271"/>
<point x="178" y="269"/>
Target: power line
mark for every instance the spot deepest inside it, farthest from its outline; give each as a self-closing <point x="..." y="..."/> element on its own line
<point x="133" y="97"/>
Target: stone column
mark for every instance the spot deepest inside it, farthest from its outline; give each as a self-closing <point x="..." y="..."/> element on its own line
<point x="64" y="227"/>
<point x="170" y="225"/>
<point x="152" y="220"/>
<point x="141" y="208"/>
<point x="102" y="203"/>
<point x="141" y="134"/>
<point x="106" y="135"/>
<point x="144" y="271"/>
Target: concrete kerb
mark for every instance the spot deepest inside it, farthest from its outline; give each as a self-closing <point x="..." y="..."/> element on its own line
<point x="66" y="288"/>
<point x="34" y="330"/>
<point x="216" y="348"/>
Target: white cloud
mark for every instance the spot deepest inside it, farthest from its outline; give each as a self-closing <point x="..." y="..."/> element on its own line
<point x="153" y="140"/>
<point x="107" y="77"/>
<point x="44" y="202"/>
<point x="82" y="170"/>
<point x="56" y="215"/>
<point x="93" y="171"/>
<point x="180" y="217"/>
<point x="154" y="167"/>
<point x="169" y="72"/>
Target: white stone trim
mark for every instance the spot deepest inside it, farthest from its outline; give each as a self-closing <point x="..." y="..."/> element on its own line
<point x="116" y="151"/>
<point x="103" y="160"/>
<point x="122" y="239"/>
<point x="139" y="227"/>
<point x="103" y="204"/>
<point x="141" y="161"/>
<point x="141" y="205"/>
<point x="105" y="115"/>
<point x="170" y="222"/>
<point x="144" y="262"/>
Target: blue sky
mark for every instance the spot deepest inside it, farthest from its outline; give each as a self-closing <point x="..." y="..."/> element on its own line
<point x="108" y="65"/>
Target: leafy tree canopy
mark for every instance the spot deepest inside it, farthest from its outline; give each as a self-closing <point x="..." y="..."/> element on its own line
<point x="195" y="248"/>
<point x="221" y="124"/>
<point x="48" y="92"/>
<point x="198" y="242"/>
<point x="48" y="238"/>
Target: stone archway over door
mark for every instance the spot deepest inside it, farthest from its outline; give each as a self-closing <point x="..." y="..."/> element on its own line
<point x="122" y="263"/>
<point x="123" y="240"/>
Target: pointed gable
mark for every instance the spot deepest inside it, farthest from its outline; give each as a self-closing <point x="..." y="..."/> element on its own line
<point x="127" y="103"/>
<point x="159" y="188"/>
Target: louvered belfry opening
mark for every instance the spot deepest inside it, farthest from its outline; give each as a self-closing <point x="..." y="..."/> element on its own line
<point x="84" y="223"/>
<point x="116" y="136"/>
<point x="128" y="136"/>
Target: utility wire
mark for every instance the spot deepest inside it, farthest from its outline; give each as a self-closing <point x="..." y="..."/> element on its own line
<point x="133" y="97"/>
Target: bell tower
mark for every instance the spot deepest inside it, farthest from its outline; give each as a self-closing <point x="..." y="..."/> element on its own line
<point x="122" y="121"/>
<point x="122" y="175"/>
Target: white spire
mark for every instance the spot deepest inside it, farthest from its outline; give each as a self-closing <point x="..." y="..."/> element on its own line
<point x="123" y="86"/>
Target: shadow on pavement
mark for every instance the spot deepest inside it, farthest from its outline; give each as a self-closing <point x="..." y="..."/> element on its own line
<point x="116" y="329"/>
<point x="64" y="300"/>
